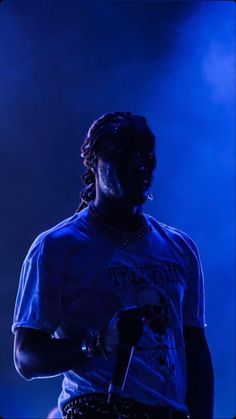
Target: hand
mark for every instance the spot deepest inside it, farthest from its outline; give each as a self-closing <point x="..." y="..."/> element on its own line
<point x="124" y="330"/>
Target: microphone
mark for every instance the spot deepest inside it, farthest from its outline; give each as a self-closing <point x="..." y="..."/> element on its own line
<point x="148" y="301"/>
<point x="120" y="373"/>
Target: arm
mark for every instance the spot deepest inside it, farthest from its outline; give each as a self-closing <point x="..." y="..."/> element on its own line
<point x="37" y="355"/>
<point x="200" y="375"/>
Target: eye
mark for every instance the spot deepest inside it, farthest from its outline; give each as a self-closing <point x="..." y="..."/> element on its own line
<point x="147" y="155"/>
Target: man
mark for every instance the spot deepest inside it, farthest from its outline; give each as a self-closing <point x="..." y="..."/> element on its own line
<point x="112" y="298"/>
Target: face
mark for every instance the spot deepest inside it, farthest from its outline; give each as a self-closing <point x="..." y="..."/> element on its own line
<point x="125" y="169"/>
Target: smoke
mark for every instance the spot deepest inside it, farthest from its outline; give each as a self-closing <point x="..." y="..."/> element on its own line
<point x="62" y="64"/>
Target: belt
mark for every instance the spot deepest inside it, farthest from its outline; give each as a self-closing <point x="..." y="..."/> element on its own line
<point x="95" y="405"/>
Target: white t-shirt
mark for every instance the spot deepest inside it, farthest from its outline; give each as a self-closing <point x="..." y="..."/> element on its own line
<point x="75" y="277"/>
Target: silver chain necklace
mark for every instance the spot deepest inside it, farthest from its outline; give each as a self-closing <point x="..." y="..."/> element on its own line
<point x="123" y="237"/>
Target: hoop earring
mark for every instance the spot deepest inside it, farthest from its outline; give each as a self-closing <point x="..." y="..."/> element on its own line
<point x="150" y="196"/>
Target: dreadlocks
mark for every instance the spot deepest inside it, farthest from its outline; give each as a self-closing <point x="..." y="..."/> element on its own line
<point x="107" y="126"/>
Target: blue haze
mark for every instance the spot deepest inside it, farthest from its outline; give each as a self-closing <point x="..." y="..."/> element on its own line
<point x="64" y="63"/>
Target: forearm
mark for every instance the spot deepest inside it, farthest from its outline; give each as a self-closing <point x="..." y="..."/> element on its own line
<point x="49" y="357"/>
<point x="200" y="383"/>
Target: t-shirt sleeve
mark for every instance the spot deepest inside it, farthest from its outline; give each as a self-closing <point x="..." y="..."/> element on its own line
<point x="38" y="301"/>
<point x="194" y="297"/>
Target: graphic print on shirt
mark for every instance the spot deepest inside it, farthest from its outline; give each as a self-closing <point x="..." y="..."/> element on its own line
<point x="158" y="338"/>
<point x="160" y="274"/>
<point x="145" y="286"/>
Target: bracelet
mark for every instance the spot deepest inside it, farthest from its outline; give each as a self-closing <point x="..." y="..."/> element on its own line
<point x="86" y="347"/>
<point x="99" y="347"/>
<point x="92" y="344"/>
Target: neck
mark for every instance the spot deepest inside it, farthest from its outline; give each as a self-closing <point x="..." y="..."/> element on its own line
<point x="118" y="214"/>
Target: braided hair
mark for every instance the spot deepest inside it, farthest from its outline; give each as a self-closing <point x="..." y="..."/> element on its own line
<point x="108" y="126"/>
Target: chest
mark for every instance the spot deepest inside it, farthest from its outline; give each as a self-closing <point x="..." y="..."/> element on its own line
<point x="101" y="281"/>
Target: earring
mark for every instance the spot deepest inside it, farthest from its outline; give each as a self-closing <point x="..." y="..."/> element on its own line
<point x="150" y="196"/>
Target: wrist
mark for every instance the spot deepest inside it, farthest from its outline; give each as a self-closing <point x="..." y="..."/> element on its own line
<point x="92" y="344"/>
<point x="86" y="345"/>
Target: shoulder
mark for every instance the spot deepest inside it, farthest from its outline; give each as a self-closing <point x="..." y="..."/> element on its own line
<point x="175" y="236"/>
<point x="59" y="238"/>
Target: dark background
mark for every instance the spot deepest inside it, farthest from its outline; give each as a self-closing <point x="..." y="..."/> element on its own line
<point x="63" y="64"/>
